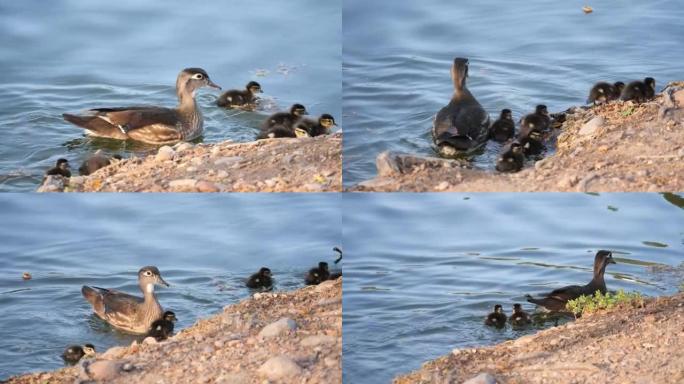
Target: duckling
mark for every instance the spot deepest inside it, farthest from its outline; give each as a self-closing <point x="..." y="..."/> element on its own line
<point x="462" y="126"/>
<point x="74" y="353"/>
<point x="639" y="91"/>
<point x="318" y="127"/>
<point x="94" y="162"/>
<point x="162" y="329"/>
<point x="503" y="128"/>
<point x="261" y="279"/>
<point x="286" y="119"/>
<point x="531" y="135"/>
<point x="543" y="113"/>
<point x="511" y="159"/>
<point x="496" y="318"/>
<point x="317" y="275"/>
<point x="603" y="92"/>
<point x="61" y="168"/>
<point x="519" y="318"/>
<point x="236" y="98"/>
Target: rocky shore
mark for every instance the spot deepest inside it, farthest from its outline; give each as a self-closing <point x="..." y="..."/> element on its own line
<point x="623" y="345"/>
<point x="617" y="147"/>
<point x="279" y="337"/>
<point x="272" y="165"/>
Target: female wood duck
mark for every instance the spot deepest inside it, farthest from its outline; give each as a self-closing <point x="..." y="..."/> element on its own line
<point x="153" y="125"/>
<point x="462" y="126"/>
<point x="261" y="279"/>
<point x="74" y="353"/>
<point x="557" y="299"/>
<point x="162" y="329"/>
<point x="127" y="312"/>
<point x="236" y="98"/>
<point x="497" y="318"/>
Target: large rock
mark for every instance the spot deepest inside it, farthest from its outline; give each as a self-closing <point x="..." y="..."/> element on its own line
<point x="279" y="327"/>
<point x="280" y="367"/>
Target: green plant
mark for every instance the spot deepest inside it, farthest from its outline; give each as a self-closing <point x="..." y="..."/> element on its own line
<point x="588" y="304"/>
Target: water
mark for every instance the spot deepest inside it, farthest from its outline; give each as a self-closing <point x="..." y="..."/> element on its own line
<point x="427" y="268"/>
<point x="397" y="56"/>
<point x="69" y="56"/>
<point x="204" y="247"/>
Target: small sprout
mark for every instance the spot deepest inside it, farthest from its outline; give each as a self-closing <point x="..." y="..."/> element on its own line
<point x="589" y="304"/>
<point x="320" y="179"/>
<point x="26" y="276"/>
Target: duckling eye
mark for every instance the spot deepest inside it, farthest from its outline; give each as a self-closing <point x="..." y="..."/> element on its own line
<point x="198" y="76"/>
<point x="148" y="273"/>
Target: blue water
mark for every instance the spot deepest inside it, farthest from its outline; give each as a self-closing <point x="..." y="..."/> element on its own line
<point x="397" y="56"/>
<point x="426" y="268"/>
<point x="68" y="56"/>
<point x="204" y="247"/>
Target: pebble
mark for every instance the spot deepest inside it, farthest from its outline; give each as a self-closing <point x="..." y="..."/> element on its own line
<point x="312" y="187"/>
<point x="26" y="276"/>
<point x="482" y="378"/>
<point x="183" y="183"/>
<point x="102" y="370"/>
<point x="206" y="186"/>
<point x="222" y="174"/>
<point x="279" y="367"/>
<point x="52" y="183"/>
<point x="228" y="161"/>
<point x="442" y="186"/>
<point x="180" y="147"/>
<point x="165" y="153"/>
<point x="567" y="181"/>
<point x="316" y="340"/>
<point x="149" y="340"/>
<point x="590" y="127"/>
<point x="279" y="327"/>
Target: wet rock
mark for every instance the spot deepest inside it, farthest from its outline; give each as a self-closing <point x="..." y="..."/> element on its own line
<point x="279" y="367"/>
<point x="316" y="340"/>
<point x="149" y="340"/>
<point x="591" y="126"/>
<point x="386" y="165"/>
<point x="52" y="183"/>
<point x="184" y="146"/>
<point x="206" y="186"/>
<point x="279" y="327"/>
<point x="165" y="153"/>
<point x="183" y="183"/>
<point x="102" y="370"/>
<point x="482" y="378"/>
<point x="114" y="353"/>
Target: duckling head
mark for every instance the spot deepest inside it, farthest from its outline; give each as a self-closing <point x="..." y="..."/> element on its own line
<point x="254" y="87"/>
<point x="506" y="114"/>
<point x="541" y="110"/>
<point x="459" y="72"/>
<point x="298" y="110"/>
<point x="323" y="266"/>
<point x="63" y="164"/>
<point x="169" y="316"/>
<point x="192" y="79"/>
<point x="517" y="308"/>
<point x="516" y="147"/>
<point x="650" y="82"/>
<point x="265" y="272"/>
<point x="89" y="350"/>
<point x="326" y="121"/>
<point x="619" y="86"/>
<point x="150" y="276"/>
<point x="498" y="308"/>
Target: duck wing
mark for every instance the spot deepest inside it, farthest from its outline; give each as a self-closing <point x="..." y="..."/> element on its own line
<point x="120" y="123"/>
<point x="462" y="119"/>
<point x="570" y="292"/>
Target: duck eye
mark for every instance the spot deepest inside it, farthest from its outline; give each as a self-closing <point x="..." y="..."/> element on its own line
<point x="198" y="76"/>
<point x="148" y="273"/>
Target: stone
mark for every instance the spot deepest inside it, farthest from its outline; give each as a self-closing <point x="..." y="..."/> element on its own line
<point x="228" y="161"/>
<point x="279" y="367"/>
<point x="206" y="186"/>
<point x="102" y="370"/>
<point x="52" y="183"/>
<point x="183" y="183"/>
<point x="184" y="146"/>
<point x="149" y="340"/>
<point x="482" y="378"/>
<point x="165" y="153"/>
<point x="279" y="327"/>
<point x="590" y="127"/>
<point x="386" y="165"/>
<point x="316" y="340"/>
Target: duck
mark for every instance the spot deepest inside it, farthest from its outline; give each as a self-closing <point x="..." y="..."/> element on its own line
<point x="497" y="318"/>
<point x="512" y="158"/>
<point x="556" y="300"/>
<point x="96" y="161"/>
<point x="532" y="127"/>
<point x="318" y="274"/>
<point x="236" y="98"/>
<point x="261" y="279"/>
<point x="313" y="128"/>
<point x="74" y="353"/>
<point x="126" y="312"/>
<point x="462" y="126"/>
<point x="61" y="168"/>
<point x="150" y="124"/>
<point x="603" y="92"/>
<point x="162" y="328"/>
<point x="503" y="129"/>
<point x="639" y="91"/>
<point x="519" y="318"/>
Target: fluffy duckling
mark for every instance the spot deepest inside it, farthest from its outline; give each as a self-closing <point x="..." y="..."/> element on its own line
<point x="315" y="128"/>
<point x="503" y="129"/>
<point x="512" y="158"/>
<point x="603" y="92"/>
<point x="639" y="91"/>
<point x="543" y="113"/>
<point x="531" y="134"/>
<point x="519" y="318"/>
<point x="317" y="275"/>
<point x="94" y="162"/>
<point x="162" y="329"/>
<point x="74" y="353"/>
<point x="236" y="98"/>
<point x="497" y="318"/>
<point x="286" y="119"/>
<point x="61" y="168"/>
<point x="261" y="279"/>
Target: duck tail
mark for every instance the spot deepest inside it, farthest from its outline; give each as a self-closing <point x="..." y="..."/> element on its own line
<point x="531" y="299"/>
<point x="96" y="126"/>
<point x="94" y="296"/>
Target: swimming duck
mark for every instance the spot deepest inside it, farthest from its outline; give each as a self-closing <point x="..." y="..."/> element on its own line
<point x="639" y="91"/>
<point x="74" y="353"/>
<point x="315" y="128"/>
<point x="127" y="312"/>
<point x="462" y="126"/>
<point x="261" y="279"/>
<point x="317" y="275"/>
<point x="94" y="162"/>
<point x="603" y="92"/>
<point x="511" y="159"/>
<point x="519" y="318"/>
<point x="556" y="300"/>
<point x="162" y="329"/>
<point x="149" y="124"/>
<point x="236" y="98"/>
<point x="503" y="128"/>
<point x="61" y="168"/>
<point x="496" y="318"/>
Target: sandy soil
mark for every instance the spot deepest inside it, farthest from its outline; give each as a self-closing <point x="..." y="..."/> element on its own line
<point x="623" y="345"/>
<point x="618" y="147"/>
<point x="273" y="165"/>
<point x="278" y="337"/>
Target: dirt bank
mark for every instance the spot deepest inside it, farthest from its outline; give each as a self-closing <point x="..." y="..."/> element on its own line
<point x="636" y="345"/>
<point x="616" y="147"/>
<point x="273" y="165"/>
<point x="293" y="337"/>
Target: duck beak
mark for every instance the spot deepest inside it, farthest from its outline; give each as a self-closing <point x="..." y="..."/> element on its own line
<point x="212" y="84"/>
<point x="163" y="282"/>
<point x="611" y="261"/>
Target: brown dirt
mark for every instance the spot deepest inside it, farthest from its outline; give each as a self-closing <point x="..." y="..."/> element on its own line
<point x="635" y="148"/>
<point x="227" y="348"/>
<point x="624" y="345"/>
<point x="273" y="165"/>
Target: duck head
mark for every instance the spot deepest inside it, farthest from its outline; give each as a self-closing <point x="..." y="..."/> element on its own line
<point x="265" y="272"/>
<point x="601" y="261"/>
<point x="192" y="79"/>
<point x="541" y="110"/>
<point x="63" y="164"/>
<point x="459" y="72"/>
<point x="498" y="308"/>
<point x="148" y="277"/>
<point x="169" y="316"/>
<point x="506" y="114"/>
<point x="650" y="82"/>
<point x="326" y="121"/>
<point x="89" y="350"/>
<point x="254" y="87"/>
<point x="298" y="110"/>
